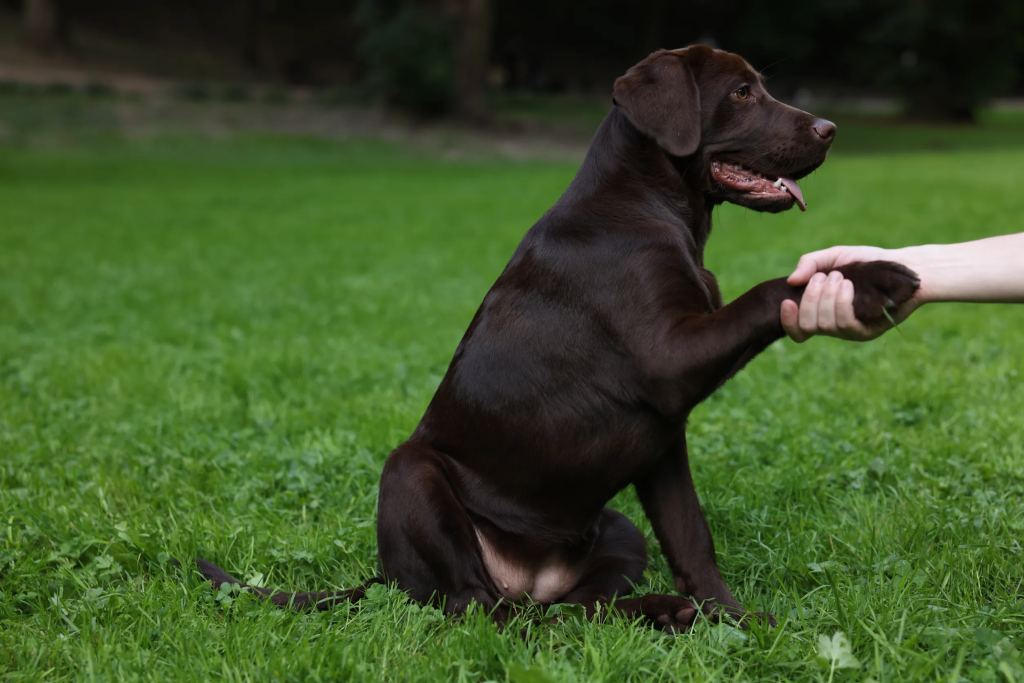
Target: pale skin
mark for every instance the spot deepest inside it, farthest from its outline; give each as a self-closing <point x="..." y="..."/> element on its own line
<point x="985" y="271"/>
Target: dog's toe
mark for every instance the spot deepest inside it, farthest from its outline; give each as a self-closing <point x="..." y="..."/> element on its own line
<point x="671" y="613"/>
<point x="687" y="615"/>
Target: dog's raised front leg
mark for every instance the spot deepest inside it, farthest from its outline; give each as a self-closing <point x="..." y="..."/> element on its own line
<point x="699" y="353"/>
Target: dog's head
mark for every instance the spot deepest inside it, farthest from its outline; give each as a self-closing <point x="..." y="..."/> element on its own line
<point x="712" y="106"/>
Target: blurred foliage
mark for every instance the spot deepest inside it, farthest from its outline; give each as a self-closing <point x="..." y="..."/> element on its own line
<point x="409" y="53"/>
<point x="945" y="57"/>
<point x="942" y="58"/>
<point x="194" y="91"/>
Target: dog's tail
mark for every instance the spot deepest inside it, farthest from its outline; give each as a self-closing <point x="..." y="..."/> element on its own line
<point x="319" y="600"/>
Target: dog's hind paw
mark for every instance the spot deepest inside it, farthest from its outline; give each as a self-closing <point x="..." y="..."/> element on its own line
<point x="670" y="613"/>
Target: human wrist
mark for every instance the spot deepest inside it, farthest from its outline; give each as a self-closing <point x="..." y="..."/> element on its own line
<point x="925" y="260"/>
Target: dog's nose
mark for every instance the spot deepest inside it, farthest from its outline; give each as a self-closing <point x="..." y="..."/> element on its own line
<point x="825" y="129"/>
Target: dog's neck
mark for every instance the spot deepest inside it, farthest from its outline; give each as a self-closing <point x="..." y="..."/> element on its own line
<point x="644" y="182"/>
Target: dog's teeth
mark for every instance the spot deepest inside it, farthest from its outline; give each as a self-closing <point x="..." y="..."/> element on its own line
<point x="785" y="189"/>
<point x="777" y="183"/>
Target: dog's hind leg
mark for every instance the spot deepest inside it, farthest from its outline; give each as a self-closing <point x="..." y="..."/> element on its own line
<point x="426" y="541"/>
<point x="616" y="563"/>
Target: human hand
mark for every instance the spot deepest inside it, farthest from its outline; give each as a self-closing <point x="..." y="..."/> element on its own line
<point x="826" y="307"/>
<point x="825" y="260"/>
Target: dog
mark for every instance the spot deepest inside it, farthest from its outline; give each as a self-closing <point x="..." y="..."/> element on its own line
<point x="578" y="372"/>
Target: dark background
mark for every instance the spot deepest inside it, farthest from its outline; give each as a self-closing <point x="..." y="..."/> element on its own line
<point x="940" y="59"/>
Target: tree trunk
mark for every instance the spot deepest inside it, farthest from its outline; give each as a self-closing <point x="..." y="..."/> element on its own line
<point x="474" y="19"/>
<point x="655" y="25"/>
<point x="252" y="26"/>
<point x="44" y="24"/>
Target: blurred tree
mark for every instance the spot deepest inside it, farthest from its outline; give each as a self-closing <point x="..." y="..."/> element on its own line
<point x="945" y="58"/>
<point x="428" y="56"/>
<point x="655" y="25"/>
<point x="409" y="50"/>
<point x="252" y="29"/>
<point x="474" y="26"/>
<point x="45" y="24"/>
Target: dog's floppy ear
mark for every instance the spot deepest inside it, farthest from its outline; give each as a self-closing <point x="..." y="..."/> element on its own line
<point x="660" y="97"/>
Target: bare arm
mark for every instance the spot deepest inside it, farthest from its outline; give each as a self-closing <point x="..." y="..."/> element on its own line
<point x="987" y="271"/>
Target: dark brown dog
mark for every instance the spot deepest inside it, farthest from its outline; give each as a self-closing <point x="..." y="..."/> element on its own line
<point x="577" y="374"/>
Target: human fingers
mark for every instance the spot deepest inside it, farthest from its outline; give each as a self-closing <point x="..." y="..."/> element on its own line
<point x="833" y="257"/>
<point x="814" y="262"/>
<point x="827" y="303"/>
<point x="847" y="324"/>
<point x="809" y="304"/>
<point x="790" y="315"/>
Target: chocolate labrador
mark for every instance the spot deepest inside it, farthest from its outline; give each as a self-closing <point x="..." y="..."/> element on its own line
<point x="577" y="374"/>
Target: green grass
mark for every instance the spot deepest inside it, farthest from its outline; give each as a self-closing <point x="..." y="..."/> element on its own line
<point x="209" y="349"/>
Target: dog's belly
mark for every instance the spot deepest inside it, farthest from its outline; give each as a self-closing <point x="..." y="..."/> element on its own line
<point x="544" y="578"/>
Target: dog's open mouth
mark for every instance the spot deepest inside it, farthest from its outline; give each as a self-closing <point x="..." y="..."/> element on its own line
<point x="743" y="179"/>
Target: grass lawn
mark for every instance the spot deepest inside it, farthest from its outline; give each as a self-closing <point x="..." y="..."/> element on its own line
<point x="209" y="348"/>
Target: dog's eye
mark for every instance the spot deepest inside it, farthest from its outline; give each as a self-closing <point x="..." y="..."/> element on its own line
<point x="743" y="93"/>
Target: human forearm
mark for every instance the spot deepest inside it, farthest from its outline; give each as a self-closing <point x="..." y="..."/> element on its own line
<point x="988" y="270"/>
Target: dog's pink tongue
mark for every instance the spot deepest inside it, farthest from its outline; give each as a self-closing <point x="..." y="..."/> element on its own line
<point x="794" y="190"/>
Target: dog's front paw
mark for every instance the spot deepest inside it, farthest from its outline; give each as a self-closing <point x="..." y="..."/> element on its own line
<point x="879" y="286"/>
